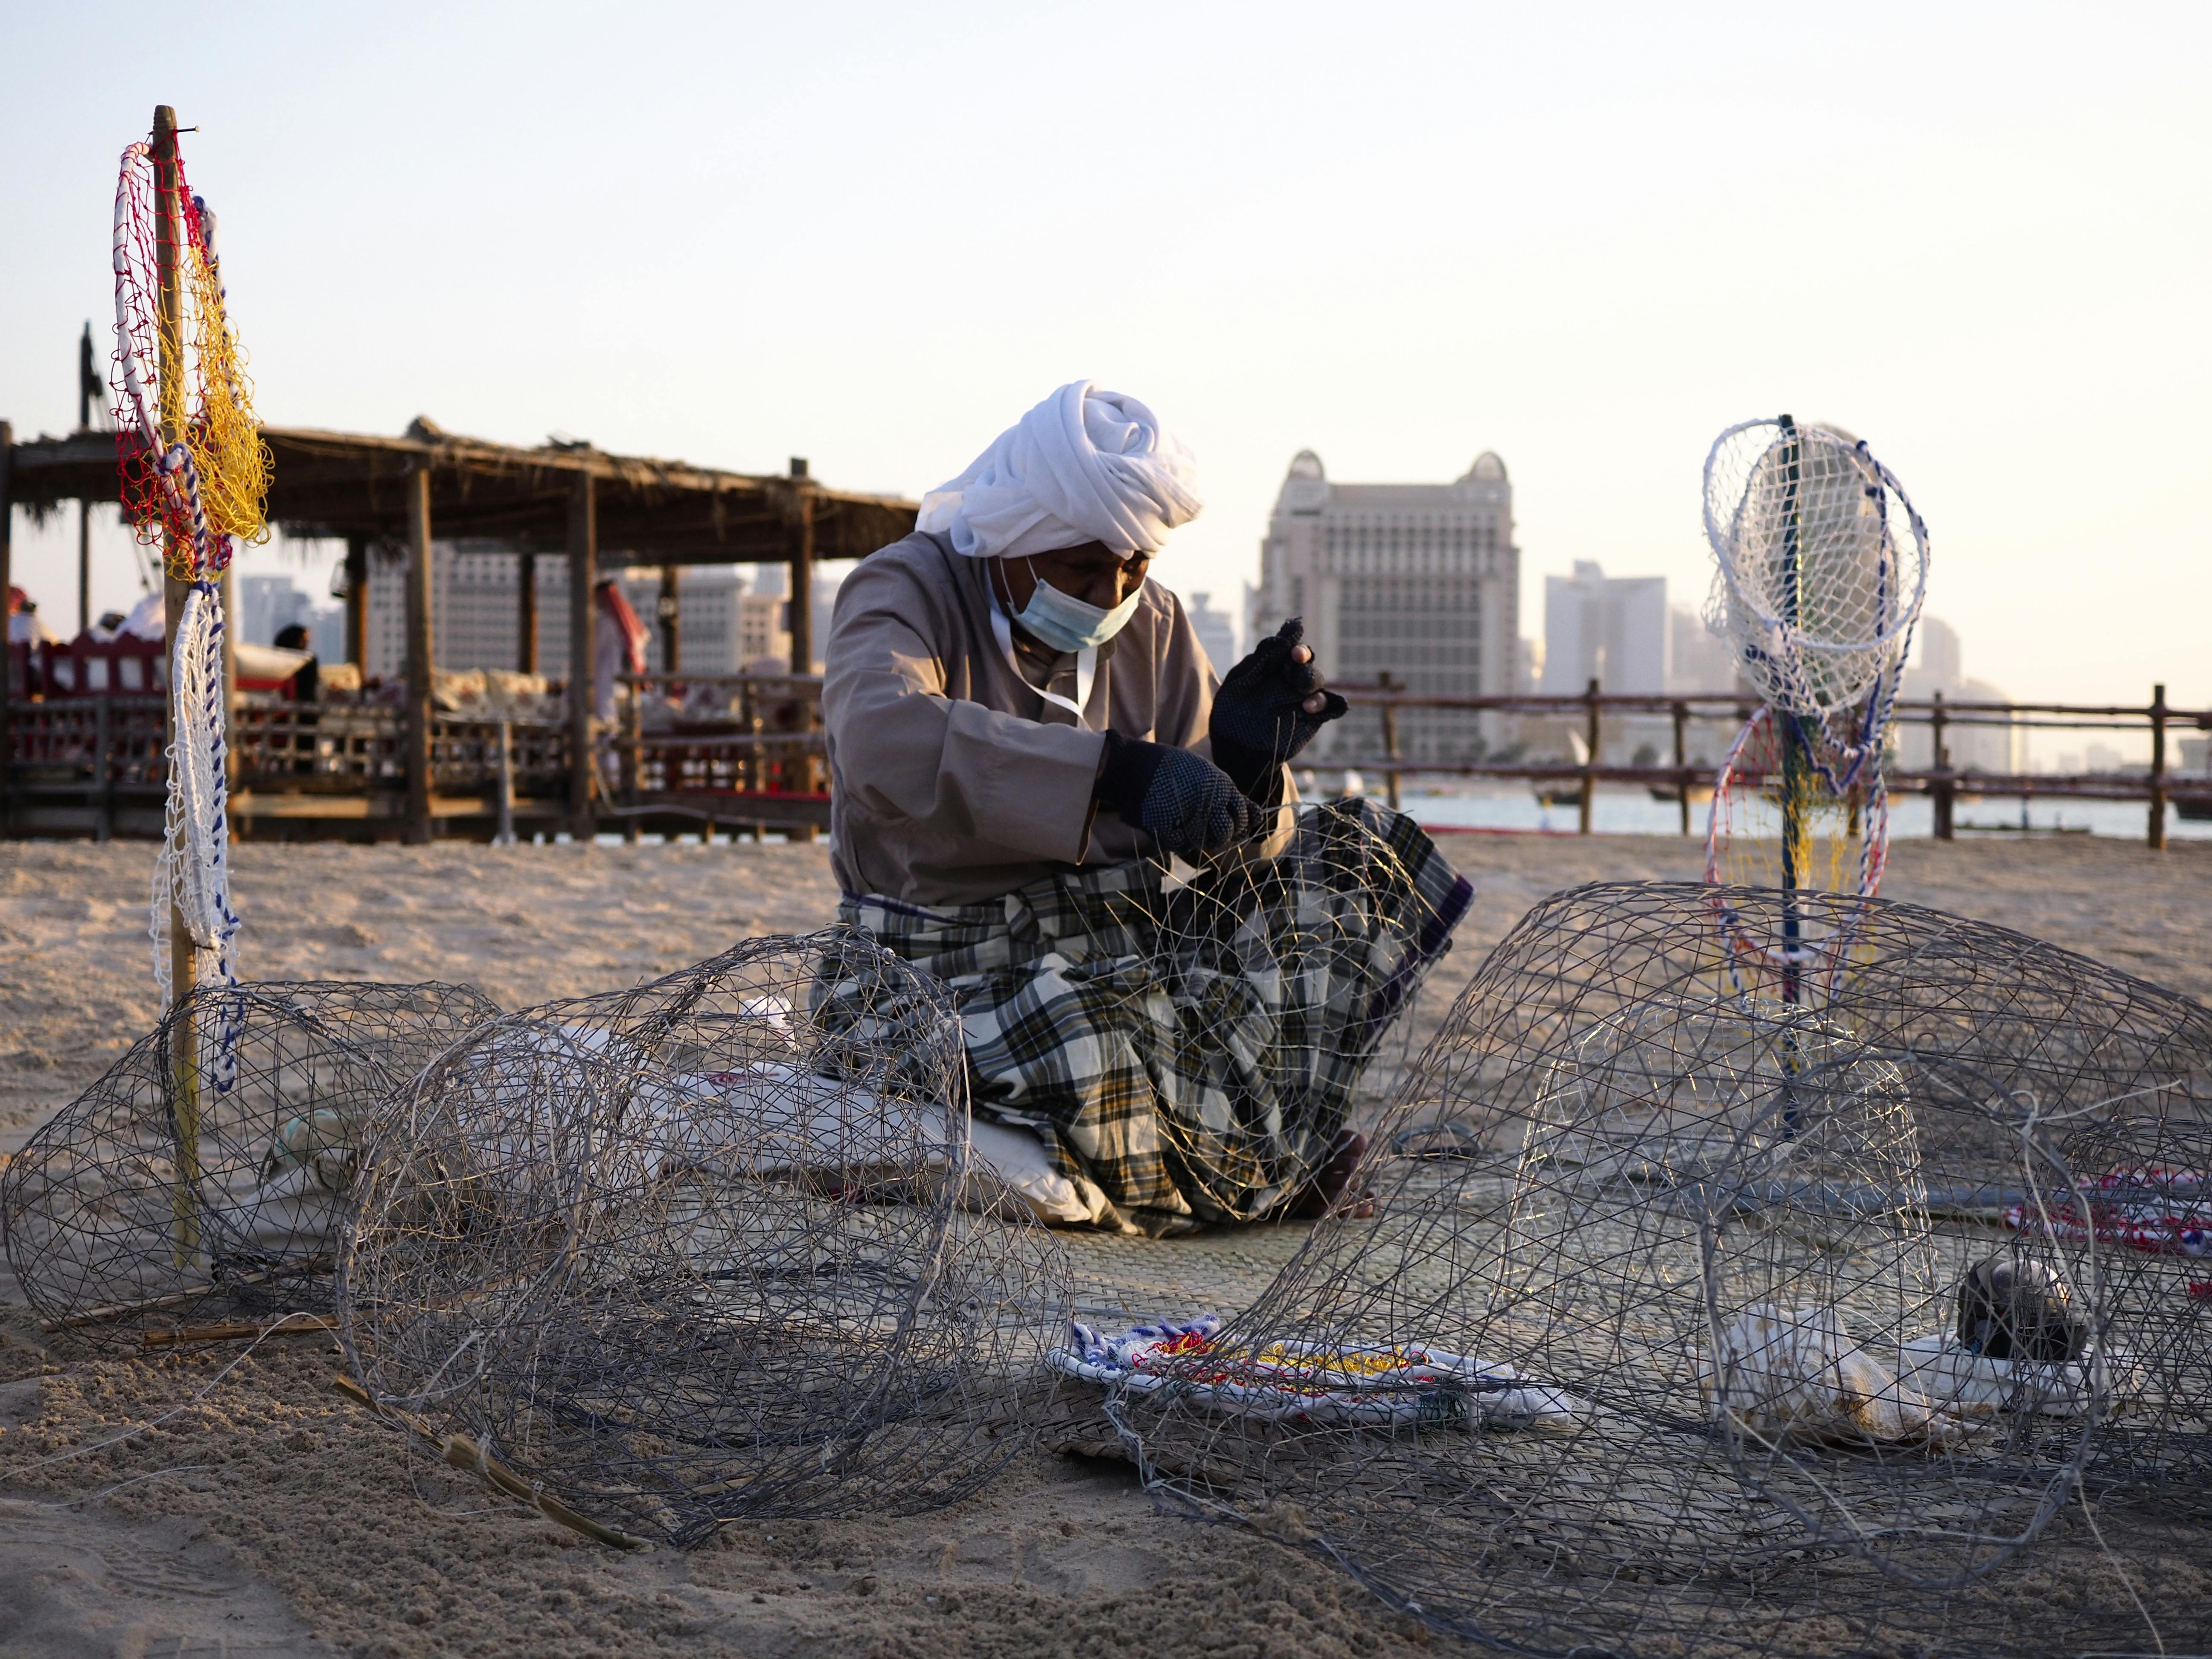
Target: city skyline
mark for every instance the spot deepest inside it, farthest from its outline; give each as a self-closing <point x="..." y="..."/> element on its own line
<point x="1550" y="234"/>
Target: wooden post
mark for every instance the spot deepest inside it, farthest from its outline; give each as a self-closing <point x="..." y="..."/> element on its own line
<point x="168" y="331"/>
<point x="583" y="572"/>
<point x="1682" y="763"/>
<point x="1939" y="753"/>
<point x="502" y="833"/>
<point x="87" y="383"/>
<point x="1590" y="764"/>
<point x="419" y="657"/>
<point x="672" y="631"/>
<point x="801" y="540"/>
<point x="1390" y="736"/>
<point x="7" y="653"/>
<point x="103" y="775"/>
<point x="2157" y="837"/>
<point x="526" y="614"/>
<point x="356" y="603"/>
<point x="633" y="758"/>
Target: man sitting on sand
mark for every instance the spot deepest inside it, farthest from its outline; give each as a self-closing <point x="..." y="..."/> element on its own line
<point x="1022" y="731"/>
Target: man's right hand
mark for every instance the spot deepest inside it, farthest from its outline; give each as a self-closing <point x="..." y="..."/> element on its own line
<point x="1182" y="800"/>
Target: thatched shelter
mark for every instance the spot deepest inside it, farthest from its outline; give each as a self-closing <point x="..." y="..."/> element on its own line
<point x="567" y="499"/>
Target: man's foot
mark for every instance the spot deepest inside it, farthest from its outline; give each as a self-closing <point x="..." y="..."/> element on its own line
<point x="1325" y="1192"/>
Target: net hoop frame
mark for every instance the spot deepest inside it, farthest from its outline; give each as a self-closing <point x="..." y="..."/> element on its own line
<point x="1775" y="660"/>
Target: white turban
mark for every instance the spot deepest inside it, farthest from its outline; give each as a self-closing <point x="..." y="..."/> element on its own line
<point x="1083" y="466"/>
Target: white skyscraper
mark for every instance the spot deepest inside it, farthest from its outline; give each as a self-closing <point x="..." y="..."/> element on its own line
<point x="475" y="611"/>
<point x="1613" y="630"/>
<point x="1216" y="630"/>
<point x="1419" y="581"/>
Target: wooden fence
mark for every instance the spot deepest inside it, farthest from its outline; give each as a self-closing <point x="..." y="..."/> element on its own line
<point x="2158" y="788"/>
<point x="747" y="753"/>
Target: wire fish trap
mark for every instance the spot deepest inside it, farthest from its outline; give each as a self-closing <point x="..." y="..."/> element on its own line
<point x="2136" y="1219"/>
<point x="1757" y="1241"/>
<point x="213" y="1164"/>
<point x="712" y="1247"/>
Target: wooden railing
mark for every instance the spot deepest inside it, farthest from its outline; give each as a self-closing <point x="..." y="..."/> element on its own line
<point x="751" y="750"/>
<point x="2158" y="786"/>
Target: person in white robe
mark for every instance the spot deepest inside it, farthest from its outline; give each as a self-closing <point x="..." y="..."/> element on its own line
<point x="1023" y="732"/>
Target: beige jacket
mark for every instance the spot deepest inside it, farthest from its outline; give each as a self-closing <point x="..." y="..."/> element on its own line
<point x="951" y="780"/>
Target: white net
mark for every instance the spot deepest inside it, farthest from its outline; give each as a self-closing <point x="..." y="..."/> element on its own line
<point x="192" y="878"/>
<point x="1823" y="565"/>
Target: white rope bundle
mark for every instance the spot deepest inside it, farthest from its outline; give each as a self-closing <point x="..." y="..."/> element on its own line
<point x="1823" y="565"/>
<point x="192" y="878"/>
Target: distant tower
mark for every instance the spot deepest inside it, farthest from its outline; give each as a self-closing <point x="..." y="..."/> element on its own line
<point x="1420" y="582"/>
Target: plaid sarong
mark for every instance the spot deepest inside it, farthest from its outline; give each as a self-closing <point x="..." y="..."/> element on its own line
<point x="1192" y="1049"/>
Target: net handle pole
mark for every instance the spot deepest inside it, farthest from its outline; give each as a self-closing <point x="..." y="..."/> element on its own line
<point x="168" y="236"/>
<point x="169" y="370"/>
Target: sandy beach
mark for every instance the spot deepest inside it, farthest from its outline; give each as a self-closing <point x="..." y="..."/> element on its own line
<point x="268" y="1515"/>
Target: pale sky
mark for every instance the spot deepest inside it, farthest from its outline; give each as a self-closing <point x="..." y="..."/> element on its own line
<point x="1586" y="237"/>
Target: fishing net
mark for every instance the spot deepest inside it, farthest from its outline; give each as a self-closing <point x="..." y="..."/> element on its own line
<point x="213" y="1164"/>
<point x="181" y="371"/>
<point x="1823" y="563"/>
<point x="1821" y="566"/>
<point x="195" y="476"/>
<point x="1193" y="1047"/>
<point x="2137" y="1219"/>
<point x="1690" y="1320"/>
<point x="1790" y="809"/>
<point x="718" y="1246"/>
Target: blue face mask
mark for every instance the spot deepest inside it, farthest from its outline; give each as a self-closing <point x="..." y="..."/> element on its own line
<point x="1066" y="624"/>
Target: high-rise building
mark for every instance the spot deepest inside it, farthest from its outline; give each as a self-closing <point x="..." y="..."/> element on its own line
<point x="1216" y="631"/>
<point x="269" y="605"/>
<point x="1612" y="630"/>
<point x="1980" y="743"/>
<point x="475" y="611"/>
<point x="1703" y="660"/>
<point x="1419" y="582"/>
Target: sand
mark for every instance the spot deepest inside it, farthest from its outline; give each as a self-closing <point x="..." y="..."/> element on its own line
<point x="270" y="1516"/>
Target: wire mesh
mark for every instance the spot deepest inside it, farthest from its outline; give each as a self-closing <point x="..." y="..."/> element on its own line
<point x="212" y="1164"/>
<point x="712" y="1247"/>
<point x="1690" y="1321"/>
<point x="1193" y="1049"/>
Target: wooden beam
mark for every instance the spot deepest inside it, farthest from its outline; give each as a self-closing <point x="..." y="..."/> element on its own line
<point x="583" y="572"/>
<point x="802" y="570"/>
<point x="419" y="657"/>
<point x="672" y="623"/>
<point x="356" y="602"/>
<point x="526" y="614"/>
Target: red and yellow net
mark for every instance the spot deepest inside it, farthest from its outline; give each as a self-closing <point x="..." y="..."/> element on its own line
<point x="195" y="472"/>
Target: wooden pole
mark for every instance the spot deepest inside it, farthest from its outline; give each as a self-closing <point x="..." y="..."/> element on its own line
<point x="526" y="614"/>
<point x="1590" y="764"/>
<point x="1682" y="763"/>
<point x="356" y="603"/>
<point x="802" y="571"/>
<point x="168" y="238"/>
<point x="7" y="650"/>
<point x="419" y="657"/>
<point x="2157" y="837"/>
<point x="671" y="628"/>
<point x="1390" y="736"/>
<point x="183" y="1071"/>
<point x="86" y="382"/>
<point x="583" y="572"/>
<point x="1940" y="754"/>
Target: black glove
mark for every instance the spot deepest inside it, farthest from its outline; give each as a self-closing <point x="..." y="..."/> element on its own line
<point x="1258" y="721"/>
<point x="1182" y="800"/>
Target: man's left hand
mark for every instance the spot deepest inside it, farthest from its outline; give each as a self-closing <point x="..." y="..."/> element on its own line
<point x="1269" y="707"/>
